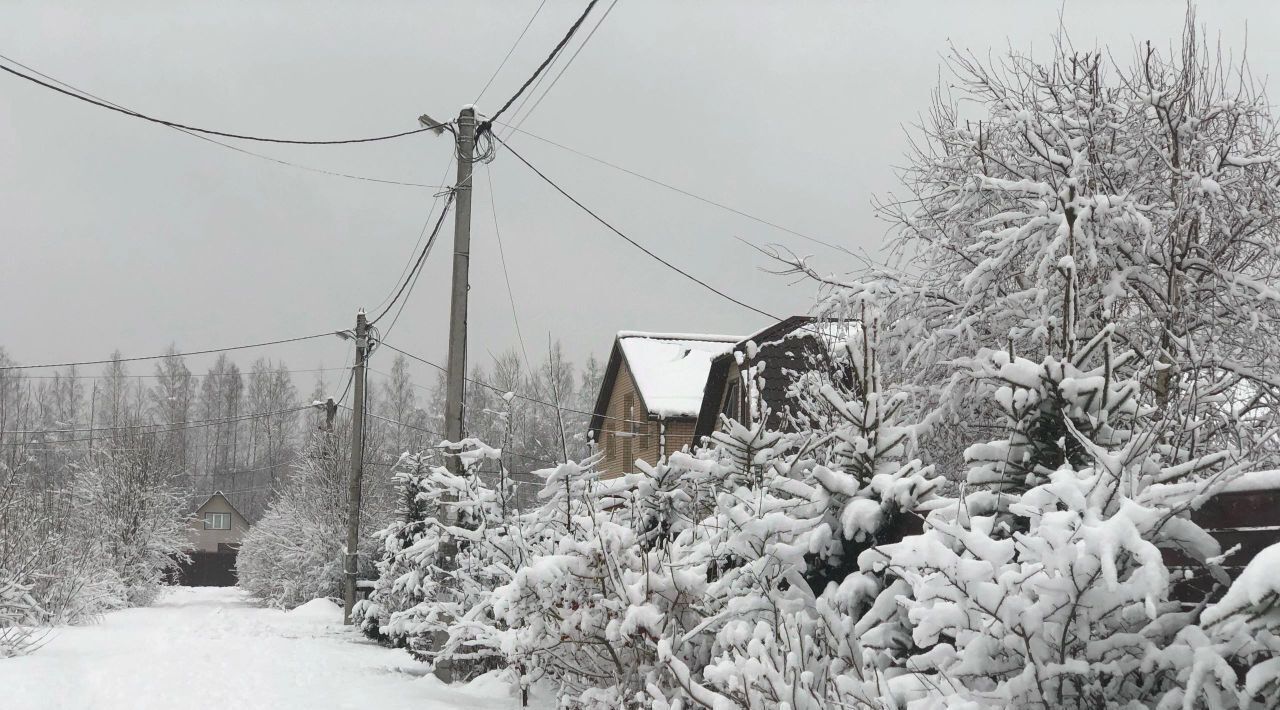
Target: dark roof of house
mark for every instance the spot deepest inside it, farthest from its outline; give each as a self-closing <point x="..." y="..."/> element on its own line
<point x="779" y="356"/>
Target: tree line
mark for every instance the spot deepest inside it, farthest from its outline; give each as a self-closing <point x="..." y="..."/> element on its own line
<point x="240" y="430"/>
<point x="99" y="474"/>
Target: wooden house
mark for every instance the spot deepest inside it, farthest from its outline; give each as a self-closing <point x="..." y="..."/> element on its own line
<point x="650" y="396"/>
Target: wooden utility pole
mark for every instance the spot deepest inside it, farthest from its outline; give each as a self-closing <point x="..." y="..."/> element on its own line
<point x="461" y="265"/>
<point x="351" y="561"/>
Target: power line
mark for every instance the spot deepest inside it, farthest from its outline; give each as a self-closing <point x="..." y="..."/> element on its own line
<point x="208" y="131"/>
<point x="214" y="474"/>
<point x="499" y="390"/>
<point x="183" y="425"/>
<point x="487" y="124"/>
<point x="426" y="223"/>
<point x="161" y="357"/>
<point x="193" y="425"/>
<point x="502" y="256"/>
<point x="503" y="63"/>
<point x="193" y="375"/>
<point x="567" y="64"/>
<point x="633" y="242"/>
<point x="322" y="171"/>
<point x="228" y="146"/>
<point x="441" y="447"/>
<point x="412" y="277"/>
<point x="706" y="200"/>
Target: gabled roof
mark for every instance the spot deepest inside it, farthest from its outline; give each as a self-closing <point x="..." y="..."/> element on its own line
<point x="217" y="494"/>
<point x="669" y="371"/>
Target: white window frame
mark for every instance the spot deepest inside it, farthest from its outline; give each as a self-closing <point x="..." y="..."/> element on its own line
<point x="212" y="520"/>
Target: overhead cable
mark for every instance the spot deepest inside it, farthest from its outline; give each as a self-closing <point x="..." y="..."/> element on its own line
<point x="166" y="355"/>
<point x="706" y="200"/>
<point x="209" y="131"/>
<point x="485" y="126"/>
<point x="501" y="391"/>
<point x="633" y="242"/>
<point x="503" y="63"/>
<point x="422" y="234"/>
<point x="502" y="257"/>
<point x="412" y="276"/>
<point x="442" y="447"/>
<point x="193" y="375"/>
<point x="228" y="146"/>
<point x="180" y="425"/>
<point x="192" y="425"/>
<point x="567" y="64"/>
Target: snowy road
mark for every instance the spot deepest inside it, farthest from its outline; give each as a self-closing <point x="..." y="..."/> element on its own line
<point x="210" y="647"/>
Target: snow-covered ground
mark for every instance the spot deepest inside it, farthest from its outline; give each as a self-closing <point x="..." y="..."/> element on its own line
<point x="211" y="647"/>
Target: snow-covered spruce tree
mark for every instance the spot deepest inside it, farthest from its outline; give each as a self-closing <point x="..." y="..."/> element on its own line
<point x="295" y="552"/>
<point x="692" y="581"/>
<point x="396" y="587"/>
<point x="1096" y="262"/>
<point x="1046" y="584"/>
<point x="588" y="612"/>
<point x="457" y="540"/>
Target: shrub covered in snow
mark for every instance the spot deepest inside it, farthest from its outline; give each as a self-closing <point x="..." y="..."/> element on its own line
<point x="294" y="554"/>
<point x="93" y="534"/>
<point x="19" y="613"/>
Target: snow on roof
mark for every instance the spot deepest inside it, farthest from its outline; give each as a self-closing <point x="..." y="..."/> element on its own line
<point x="702" y="337"/>
<point x="1254" y="481"/>
<point x="670" y="369"/>
<point x="832" y="333"/>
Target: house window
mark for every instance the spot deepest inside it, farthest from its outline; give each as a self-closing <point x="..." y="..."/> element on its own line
<point x="629" y="431"/>
<point x="217" y="521"/>
<point x="730" y="406"/>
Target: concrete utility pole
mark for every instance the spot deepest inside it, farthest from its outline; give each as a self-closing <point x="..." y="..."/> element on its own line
<point x="457" y="373"/>
<point x="350" y="561"/>
<point x="461" y="265"/>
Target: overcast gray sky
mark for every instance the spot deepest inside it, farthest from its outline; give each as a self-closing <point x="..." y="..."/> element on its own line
<point x="120" y="233"/>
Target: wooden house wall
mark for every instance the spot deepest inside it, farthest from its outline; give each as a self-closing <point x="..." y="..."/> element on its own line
<point x="645" y="441"/>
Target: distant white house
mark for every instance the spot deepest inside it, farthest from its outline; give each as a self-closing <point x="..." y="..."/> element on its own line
<point x="216" y="526"/>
